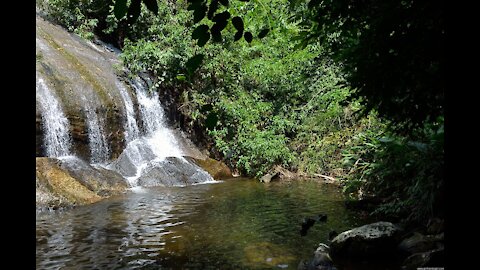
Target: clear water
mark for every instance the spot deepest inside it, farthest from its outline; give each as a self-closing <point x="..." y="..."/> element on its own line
<point x="234" y="224"/>
<point x="57" y="140"/>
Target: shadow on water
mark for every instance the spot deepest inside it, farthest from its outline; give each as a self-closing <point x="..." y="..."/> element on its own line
<point x="235" y="224"/>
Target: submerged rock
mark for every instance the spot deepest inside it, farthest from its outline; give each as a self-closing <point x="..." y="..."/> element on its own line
<point x="63" y="183"/>
<point x="172" y="171"/>
<point x="372" y="241"/>
<point x="267" y="255"/>
<point x="320" y="261"/>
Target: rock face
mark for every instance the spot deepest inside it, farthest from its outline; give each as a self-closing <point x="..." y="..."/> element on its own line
<point x="217" y="169"/>
<point x="62" y="184"/>
<point x="82" y="76"/>
<point x="172" y="171"/>
<point x="370" y="241"/>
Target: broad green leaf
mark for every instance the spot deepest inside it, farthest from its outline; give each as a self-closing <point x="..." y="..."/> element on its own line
<point x="120" y="9"/>
<point x="181" y="77"/>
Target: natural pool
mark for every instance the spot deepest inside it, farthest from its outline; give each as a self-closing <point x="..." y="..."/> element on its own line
<point x="234" y="224"/>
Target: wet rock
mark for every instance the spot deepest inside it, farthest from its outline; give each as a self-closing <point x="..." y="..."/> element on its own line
<point x="71" y="181"/>
<point x="57" y="188"/>
<point x="96" y="178"/>
<point x="267" y="178"/>
<point x="332" y="234"/>
<point x="135" y="154"/>
<point x="418" y="243"/>
<point x="433" y="258"/>
<point x="172" y="171"/>
<point x="320" y="261"/>
<point x="435" y="226"/>
<point x="306" y="224"/>
<point x="372" y="241"/>
<point x="217" y="169"/>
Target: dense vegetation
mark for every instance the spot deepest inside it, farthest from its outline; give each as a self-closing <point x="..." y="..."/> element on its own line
<point x="322" y="92"/>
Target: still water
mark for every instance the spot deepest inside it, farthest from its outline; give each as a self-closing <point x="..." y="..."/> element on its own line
<point x="234" y="224"/>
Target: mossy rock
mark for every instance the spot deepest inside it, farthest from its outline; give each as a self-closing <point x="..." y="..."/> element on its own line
<point x="217" y="169"/>
<point x="58" y="188"/>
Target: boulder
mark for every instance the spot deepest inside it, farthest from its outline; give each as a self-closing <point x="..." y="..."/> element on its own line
<point x="321" y="260"/>
<point x="217" y="169"/>
<point x="71" y="181"/>
<point x="57" y="188"/>
<point x="371" y="241"/>
<point x="418" y="243"/>
<point x="94" y="177"/>
<point x="433" y="258"/>
<point x="172" y="171"/>
<point x="278" y="172"/>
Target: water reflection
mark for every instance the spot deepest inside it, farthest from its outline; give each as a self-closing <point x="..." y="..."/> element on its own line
<point x="236" y="224"/>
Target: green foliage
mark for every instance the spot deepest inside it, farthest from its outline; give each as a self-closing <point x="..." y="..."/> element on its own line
<point x="312" y="106"/>
<point x="408" y="173"/>
<point x="72" y="14"/>
<point x="392" y="52"/>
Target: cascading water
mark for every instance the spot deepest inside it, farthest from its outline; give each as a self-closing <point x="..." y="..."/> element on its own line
<point x="159" y="137"/>
<point x="99" y="149"/>
<point x="145" y="151"/>
<point x="145" y="158"/>
<point x="55" y="124"/>
<point x="131" y="127"/>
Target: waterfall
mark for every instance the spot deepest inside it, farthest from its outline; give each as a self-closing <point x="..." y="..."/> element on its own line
<point x="161" y="139"/>
<point x="97" y="140"/>
<point x="130" y="126"/>
<point x="158" y="142"/>
<point x="56" y="126"/>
